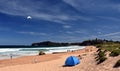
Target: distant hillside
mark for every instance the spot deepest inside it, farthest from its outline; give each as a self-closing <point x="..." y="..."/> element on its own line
<point x="58" y="44"/>
<point x="84" y="43"/>
<point x="97" y="41"/>
<point x="53" y="44"/>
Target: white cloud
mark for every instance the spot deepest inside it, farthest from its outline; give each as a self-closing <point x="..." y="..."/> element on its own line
<point x="67" y="26"/>
<point x="69" y="32"/>
<point x="39" y="10"/>
<point x="94" y="6"/>
<point x="112" y="34"/>
<point x="33" y="33"/>
<point x="80" y="31"/>
<point x="99" y="32"/>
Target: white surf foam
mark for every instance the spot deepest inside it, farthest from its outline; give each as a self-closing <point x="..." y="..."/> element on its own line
<point x="8" y="49"/>
<point x="5" y="52"/>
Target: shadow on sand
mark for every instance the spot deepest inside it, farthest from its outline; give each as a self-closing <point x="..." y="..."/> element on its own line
<point x="67" y="66"/>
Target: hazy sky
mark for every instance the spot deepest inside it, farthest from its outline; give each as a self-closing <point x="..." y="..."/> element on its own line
<point x="58" y="20"/>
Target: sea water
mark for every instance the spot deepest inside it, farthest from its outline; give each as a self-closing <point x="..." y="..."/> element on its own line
<point x="5" y="53"/>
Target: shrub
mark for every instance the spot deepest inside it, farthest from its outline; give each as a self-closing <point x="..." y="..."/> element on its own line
<point x="98" y="50"/>
<point x="41" y="53"/>
<point x="102" y="59"/>
<point x="117" y="64"/>
<point x="101" y="53"/>
<point x="98" y="46"/>
<point x="115" y="52"/>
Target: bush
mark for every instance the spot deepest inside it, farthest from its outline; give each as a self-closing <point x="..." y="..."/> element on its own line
<point x="98" y="50"/>
<point x="115" y="52"/>
<point x="101" y="57"/>
<point x="98" y="46"/>
<point x="101" y="53"/>
<point x="41" y="53"/>
<point x="117" y="64"/>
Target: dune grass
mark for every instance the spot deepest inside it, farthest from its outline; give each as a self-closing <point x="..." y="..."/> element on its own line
<point x="114" y="48"/>
<point x="101" y="57"/>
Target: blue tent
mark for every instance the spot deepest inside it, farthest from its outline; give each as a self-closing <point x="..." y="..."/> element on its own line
<point x="72" y="61"/>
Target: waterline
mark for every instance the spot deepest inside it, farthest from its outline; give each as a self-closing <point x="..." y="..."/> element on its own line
<point x="18" y="52"/>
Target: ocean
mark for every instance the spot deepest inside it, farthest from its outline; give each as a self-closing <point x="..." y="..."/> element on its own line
<point x="5" y="53"/>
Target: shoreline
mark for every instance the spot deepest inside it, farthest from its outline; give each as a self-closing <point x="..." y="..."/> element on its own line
<point x="40" y="58"/>
<point x="7" y="53"/>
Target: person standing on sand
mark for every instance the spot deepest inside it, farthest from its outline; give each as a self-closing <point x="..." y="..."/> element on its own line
<point x="11" y="56"/>
<point x="35" y="60"/>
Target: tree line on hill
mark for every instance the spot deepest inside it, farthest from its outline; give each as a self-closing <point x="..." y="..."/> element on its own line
<point x="84" y="43"/>
<point x="57" y="44"/>
<point x="53" y="44"/>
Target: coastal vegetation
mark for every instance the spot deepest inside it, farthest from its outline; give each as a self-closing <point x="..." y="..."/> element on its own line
<point x="117" y="64"/>
<point x="101" y="57"/>
<point x="53" y="44"/>
<point x="115" y="52"/>
<point x="104" y="46"/>
<point x="96" y="42"/>
<point x="112" y="47"/>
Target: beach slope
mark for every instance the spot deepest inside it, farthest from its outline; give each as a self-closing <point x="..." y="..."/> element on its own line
<point x="55" y="62"/>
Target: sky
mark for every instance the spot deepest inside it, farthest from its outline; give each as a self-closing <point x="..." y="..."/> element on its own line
<point x="58" y="20"/>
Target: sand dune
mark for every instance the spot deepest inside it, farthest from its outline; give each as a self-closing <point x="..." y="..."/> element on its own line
<point x="55" y="62"/>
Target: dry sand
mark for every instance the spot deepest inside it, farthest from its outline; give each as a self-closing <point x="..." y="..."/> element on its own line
<point x="55" y="62"/>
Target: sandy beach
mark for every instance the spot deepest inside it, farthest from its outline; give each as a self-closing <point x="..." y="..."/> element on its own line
<point x="55" y="62"/>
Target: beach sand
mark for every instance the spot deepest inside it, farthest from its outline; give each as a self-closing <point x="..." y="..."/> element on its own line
<point x="55" y="62"/>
